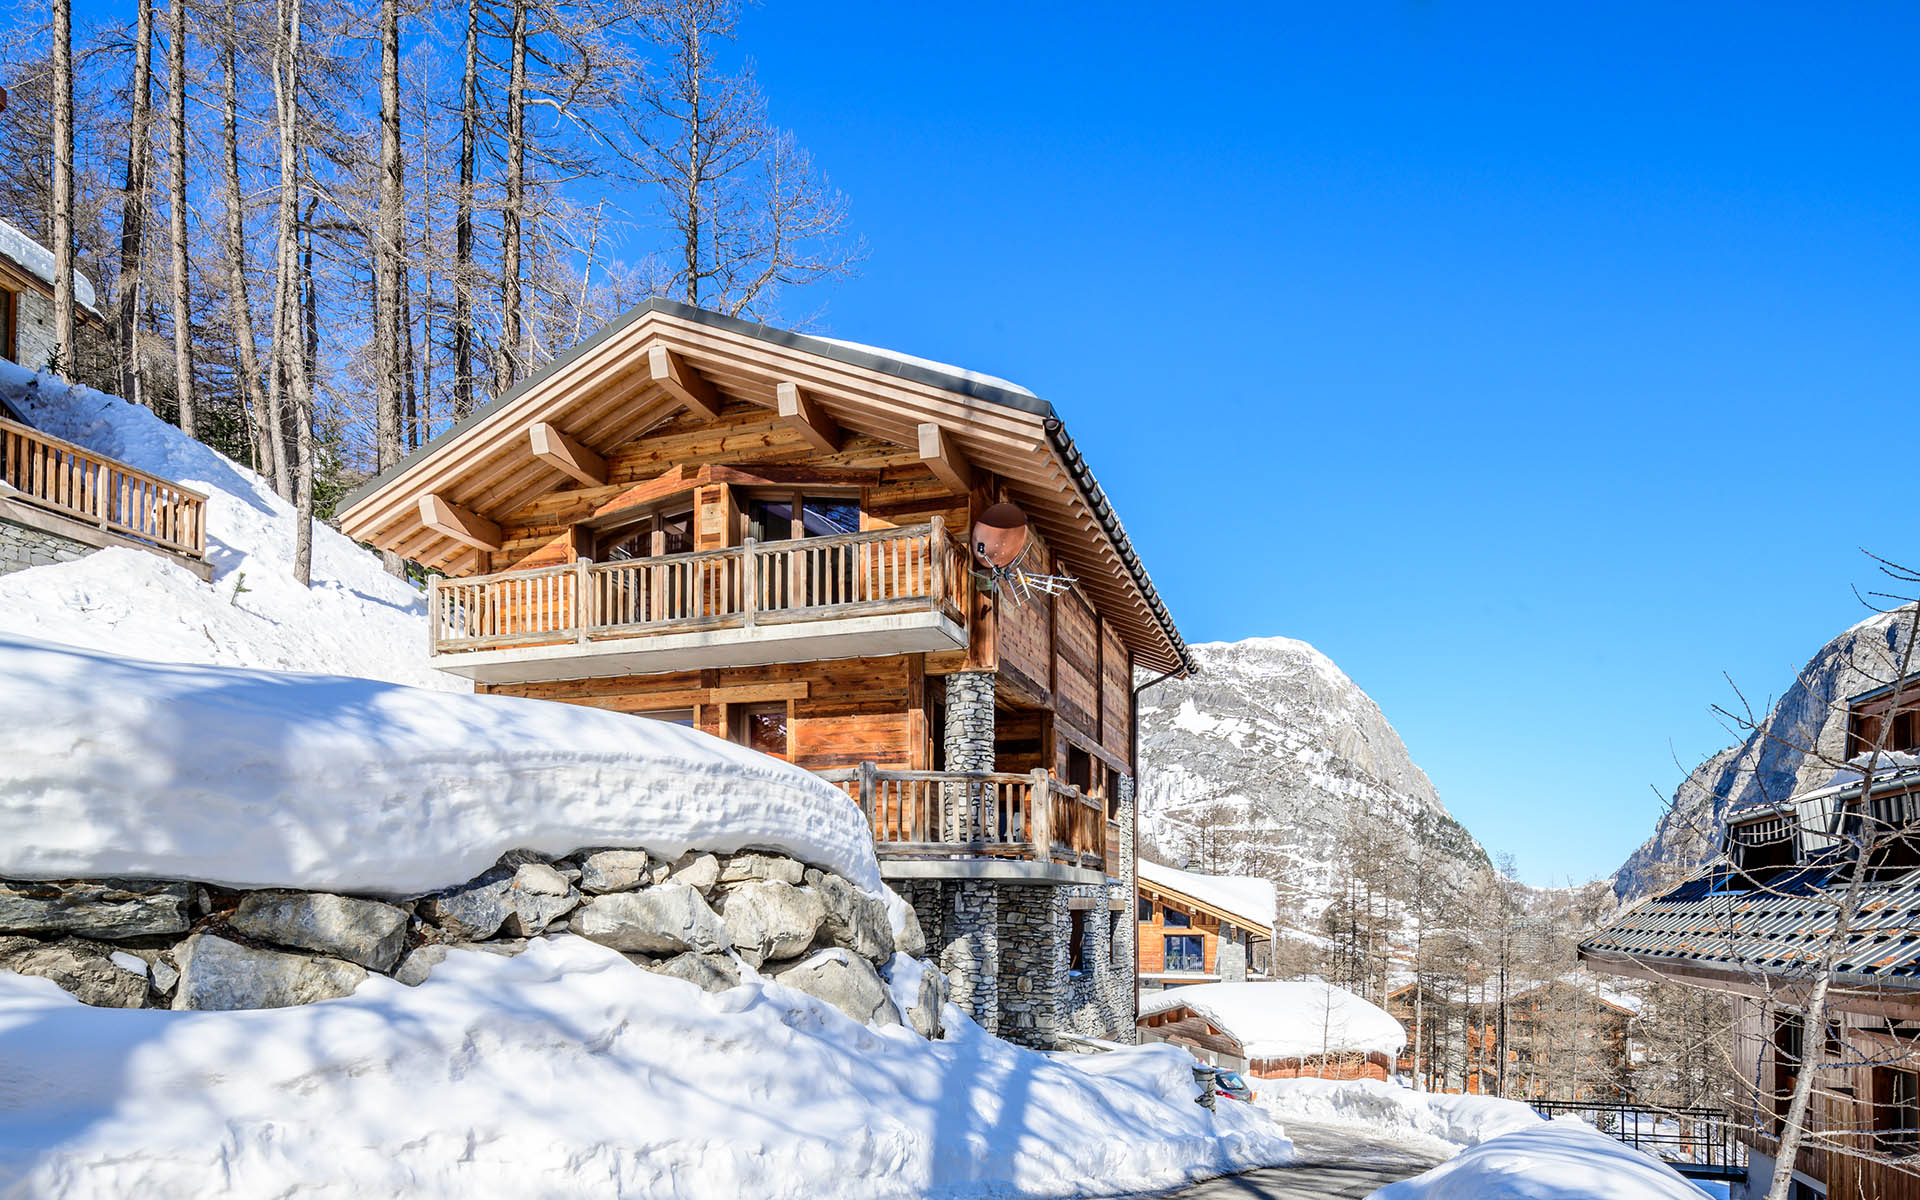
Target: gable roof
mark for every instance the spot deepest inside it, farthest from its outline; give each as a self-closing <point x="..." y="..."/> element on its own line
<point x="597" y="392"/>
<point x="1243" y="899"/>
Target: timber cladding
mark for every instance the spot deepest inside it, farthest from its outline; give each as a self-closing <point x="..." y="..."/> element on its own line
<point x="840" y="713"/>
<point x="1076" y="675"/>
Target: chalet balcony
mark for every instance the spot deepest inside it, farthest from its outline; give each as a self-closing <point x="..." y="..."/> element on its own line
<point x="876" y="593"/>
<point x="991" y="826"/>
<point x="68" y="490"/>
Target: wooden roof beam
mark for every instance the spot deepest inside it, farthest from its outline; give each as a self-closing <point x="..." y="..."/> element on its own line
<point x="460" y="524"/>
<point x="682" y="382"/>
<point x="808" y="419"/>
<point x="564" y="454"/>
<point x="944" y="459"/>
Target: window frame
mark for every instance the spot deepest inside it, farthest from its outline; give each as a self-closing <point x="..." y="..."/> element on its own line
<point x="1167" y="955"/>
<point x="738" y="714"/>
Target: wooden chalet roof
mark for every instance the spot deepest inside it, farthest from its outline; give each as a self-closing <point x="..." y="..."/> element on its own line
<point x="664" y="356"/>
<point x="1162" y="891"/>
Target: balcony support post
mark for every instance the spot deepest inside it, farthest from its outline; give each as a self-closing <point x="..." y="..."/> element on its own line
<point x="1042" y="816"/>
<point x="582" y="604"/>
<point x="749" y="582"/>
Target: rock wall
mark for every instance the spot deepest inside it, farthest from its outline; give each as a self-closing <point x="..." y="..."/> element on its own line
<point x="712" y="920"/>
<point x="22" y="547"/>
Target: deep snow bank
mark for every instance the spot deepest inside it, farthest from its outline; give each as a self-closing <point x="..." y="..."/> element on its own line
<point x="1458" y="1121"/>
<point x="256" y="779"/>
<point x="355" y="620"/>
<point x="1565" y="1159"/>
<point x="567" y="1071"/>
<point x="1287" y="1019"/>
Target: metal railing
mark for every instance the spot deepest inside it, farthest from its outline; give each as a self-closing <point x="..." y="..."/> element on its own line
<point x="958" y="814"/>
<point x="1693" y="1140"/>
<point x="73" y="481"/>
<point x="912" y="569"/>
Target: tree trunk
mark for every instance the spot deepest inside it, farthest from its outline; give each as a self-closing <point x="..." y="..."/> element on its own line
<point x="177" y="217"/>
<point x="463" y="221"/>
<point x="509" y="348"/>
<point x="289" y="349"/>
<point x="133" y="209"/>
<point x="64" y="350"/>
<point x="270" y="429"/>
<point x="386" y="264"/>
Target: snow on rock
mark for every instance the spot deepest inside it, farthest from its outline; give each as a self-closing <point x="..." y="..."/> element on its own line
<point x="1246" y="895"/>
<point x="1455" y="1120"/>
<point x="1287" y="1019"/>
<point x="355" y="620"/>
<point x="17" y="245"/>
<point x="1566" y="1159"/>
<point x="255" y="779"/>
<point x="568" y="1071"/>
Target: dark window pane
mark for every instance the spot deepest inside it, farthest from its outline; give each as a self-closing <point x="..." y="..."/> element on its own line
<point x="1185" y="953"/>
<point x="762" y="727"/>
<point x="626" y="542"/>
<point x="769" y="520"/>
<point x="672" y="716"/>
<point x="823" y="518"/>
<point x="1178" y="920"/>
<point x="678" y="531"/>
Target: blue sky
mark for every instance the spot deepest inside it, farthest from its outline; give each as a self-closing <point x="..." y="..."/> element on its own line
<point x="1538" y="363"/>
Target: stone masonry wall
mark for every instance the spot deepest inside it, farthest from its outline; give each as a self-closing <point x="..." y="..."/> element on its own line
<point x="961" y="923"/>
<point x="33" y="336"/>
<point x="22" y="547"/>
<point x="1034" y="949"/>
<point x="968" y="736"/>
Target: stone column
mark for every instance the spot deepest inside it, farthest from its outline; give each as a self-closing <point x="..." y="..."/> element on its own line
<point x="968" y="947"/>
<point x="1034" y="944"/>
<point x="968" y="737"/>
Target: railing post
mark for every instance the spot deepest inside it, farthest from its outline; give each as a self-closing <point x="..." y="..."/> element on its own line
<point x="868" y="770"/>
<point x="582" y="601"/>
<point x="433" y="615"/>
<point x="1041" y="815"/>
<point x="749" y="603"/>
<point x="937" y="551"/>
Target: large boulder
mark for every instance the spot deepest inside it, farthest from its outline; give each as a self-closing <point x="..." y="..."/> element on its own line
<point x="751" y="866"/>
<point x="855" y="920"/>
<point x="85" y="969"/>
<point x="107" y="909"/>
<point x="709" y="972"/>
<point x="539" y="896"/>
<point x="770" y="920"/>
<point x="361" y="931"/>
<point x="614" y="871"/>
<point x="695" y="870"/>
<point x="666" y="919"/>
<point x="474" y="910"/>
<point x="919" y="990"/>
<point x="219" y="974"/>
<point x="847" y="982"/>
<point x="419" y="963"/>
<point x="911" y="939"/>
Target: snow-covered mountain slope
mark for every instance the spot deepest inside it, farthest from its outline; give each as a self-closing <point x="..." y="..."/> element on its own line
<point x="355" y="619"/>
<point x="1255" y="765"/>
<point x="1770" y="764"/>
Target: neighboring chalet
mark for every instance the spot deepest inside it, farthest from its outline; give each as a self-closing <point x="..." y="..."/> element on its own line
<point x="26" y="301"/>
<point x="1754" y="924"/>
<point x="1198" y="928"/>
<point x="765" y="535"/>
<point x="1566" y="1039"/>
<point x="1276" y="1030"/>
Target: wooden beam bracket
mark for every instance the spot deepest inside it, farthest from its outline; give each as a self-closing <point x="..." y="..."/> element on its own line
<point x="944" y="459"/>
<point x="682" y="382"/>
<point x="808" y="419"/>
<point x="460" y="524"/>
<point x="566" y="455"/>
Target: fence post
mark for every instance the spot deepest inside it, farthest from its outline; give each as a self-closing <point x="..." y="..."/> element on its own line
<point x="582" y="601"/>
<point x="749" y="603"/>
<point x="1041" y="815"/>
<point x="937" y="551"/>
<point x="433" y="615"/>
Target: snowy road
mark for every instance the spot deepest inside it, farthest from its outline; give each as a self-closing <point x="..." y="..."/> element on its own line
<point x="1335" y="1161"/>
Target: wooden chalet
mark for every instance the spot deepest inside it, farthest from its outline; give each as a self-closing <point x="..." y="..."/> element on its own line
<point x="1562" y="1040"/>
<point x="1197" y="928"/>
<point x="1753" y="924"/>
<point x="764" y="535"/>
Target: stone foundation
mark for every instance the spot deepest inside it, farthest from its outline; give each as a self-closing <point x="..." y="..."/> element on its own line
<point x="22" y="546"/>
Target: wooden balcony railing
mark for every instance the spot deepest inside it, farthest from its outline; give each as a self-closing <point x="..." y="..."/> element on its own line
<point x="913" y="569"/>
<point x="73" y="481"/>
<point x="958" y="815"/>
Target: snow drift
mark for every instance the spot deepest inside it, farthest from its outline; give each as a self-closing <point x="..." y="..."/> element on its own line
<point x="1455" y="1120"/>
<point x="1566" y="1159"/>
<point x="255" y="779"/>
<point x="567" y="1071"/>
<point x="1287" y="1020"/>
<point x="355" y="620"/>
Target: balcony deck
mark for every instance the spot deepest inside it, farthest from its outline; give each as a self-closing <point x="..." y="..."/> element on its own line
<point x="883" y="592"/>
<point x="61" y="488"/>
<point x="1009" y="828"/>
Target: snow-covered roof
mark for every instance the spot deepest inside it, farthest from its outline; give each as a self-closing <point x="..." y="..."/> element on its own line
<point x="928" y="364"/>
<point x="37" y="261"/>
<point x="1296" y="1019"/>
<point x="1243" y="895"/>
<point x="114" y="767"/>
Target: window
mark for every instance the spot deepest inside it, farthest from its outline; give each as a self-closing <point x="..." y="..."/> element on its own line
<point x="1077" y="941"/>
<point x="1178" y="920"/>
<point x="1080" y="769"/>
<point x="1144" y="909"/>
<point x="1185" y="952"/>
<point x="672" y="716"/>
<point x="8" y="302"/>
<point x="1896" y="1110"/>
<point x="761" y="727"/>
<point x="1789" y="1050"/>
<point x="1117" y="940"/>
<point x="660" y="533"/>
<point x="827" y="577"/>
<point x="1902" y="737"/>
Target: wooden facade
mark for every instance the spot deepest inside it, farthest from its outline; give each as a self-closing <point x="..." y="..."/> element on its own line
<point x="1173" y="926"/>
<point x="763" y="536"/>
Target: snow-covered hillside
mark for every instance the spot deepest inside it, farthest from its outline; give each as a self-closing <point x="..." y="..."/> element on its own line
<point x="1274" y="744"/>
<point x="355" y="620"/>
<point x="1769" y="765"/>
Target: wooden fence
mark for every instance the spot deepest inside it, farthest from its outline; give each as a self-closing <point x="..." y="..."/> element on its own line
<point x="956" y="814"/>
<point x="75" y="482"/>
<point x="847" y="575"/>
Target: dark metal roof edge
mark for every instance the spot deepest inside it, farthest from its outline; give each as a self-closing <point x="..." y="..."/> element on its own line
<point x="1057" y="436"/>
<point x="1897" y="983"/>
<point x="1874" y="693"/>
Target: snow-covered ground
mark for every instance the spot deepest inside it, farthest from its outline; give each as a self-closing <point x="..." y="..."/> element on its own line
<point x="567" y="1072"/>
<point x="1565" y="1159"/>
<point x="355" y="620"/>
<point x="1454" y="1122"/>
<point x="1295" y="1019"/>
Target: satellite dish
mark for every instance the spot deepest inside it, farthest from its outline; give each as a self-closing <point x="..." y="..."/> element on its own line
<point x="1000" y="536"/>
